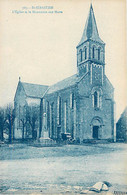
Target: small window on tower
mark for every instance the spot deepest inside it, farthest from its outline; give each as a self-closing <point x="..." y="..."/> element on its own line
<point x="93" y="52"/>
<point x="85" y="53"/>
<point x="99" y="51"/>
<point x="80" y="55"/>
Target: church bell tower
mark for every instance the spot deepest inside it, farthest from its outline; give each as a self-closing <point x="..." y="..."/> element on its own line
<point x="91" y="51"/>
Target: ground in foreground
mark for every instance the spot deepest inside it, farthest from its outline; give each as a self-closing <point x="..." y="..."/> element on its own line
<point x="57" y="170"/>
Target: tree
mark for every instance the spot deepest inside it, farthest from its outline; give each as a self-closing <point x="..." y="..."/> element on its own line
<point x="2" y="122"/>
<point x="24" y="118"/>
<point x="10" y="117"/>
<point x="33" y="118"/>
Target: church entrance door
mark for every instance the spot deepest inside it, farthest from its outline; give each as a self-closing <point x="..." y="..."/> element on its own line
<point x="95" y="132"/>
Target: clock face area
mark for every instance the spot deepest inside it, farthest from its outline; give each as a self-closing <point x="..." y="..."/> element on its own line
<point x="97" y="74"/>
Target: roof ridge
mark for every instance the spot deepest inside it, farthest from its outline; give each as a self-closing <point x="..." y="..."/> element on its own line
<point x="34" y="90"/>
<point x="65" y="83"/>
<point x="64" y="79"/>
<point x="34" y="84"/>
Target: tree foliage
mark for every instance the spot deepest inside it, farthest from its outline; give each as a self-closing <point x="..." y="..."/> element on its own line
<point x="24" y="120"/>
<point x="2" y="123"/>
<point x="10" y="117"/>
<point x="33" y="119"/>
<point x="29" y="118"/>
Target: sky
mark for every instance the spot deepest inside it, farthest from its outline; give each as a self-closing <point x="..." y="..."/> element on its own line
<point x="41" y="47"/>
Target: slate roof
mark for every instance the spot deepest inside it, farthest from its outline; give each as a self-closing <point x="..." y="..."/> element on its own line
<point x="34" y="90"/>
<point x="38" y="91"/>
<point x="63" y="84"/>
<point x="90" y="30"/>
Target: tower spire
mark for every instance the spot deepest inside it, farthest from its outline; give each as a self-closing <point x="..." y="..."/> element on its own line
<point x="91" y="49"/>
<point x="90" y="30"/>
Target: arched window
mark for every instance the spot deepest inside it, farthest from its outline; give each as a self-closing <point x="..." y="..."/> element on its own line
<point x="52" y="120"/>
<point x="59" y="110"/>
<point x="72" y="100"/>
<point x="80" y="55"/>
<point x="85" y="49"/>
<point x="48" y="115"/>
<point x="19" y="116"/>
<point x="65" y="117"/>
<point x="99" y="52"/>
<point x="93" y="52"/>
<point x="97" y="95"/>
<point x="95" y="99"/>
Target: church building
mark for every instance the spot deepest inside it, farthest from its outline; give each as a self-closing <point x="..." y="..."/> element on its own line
<point x="81" y="105"/>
